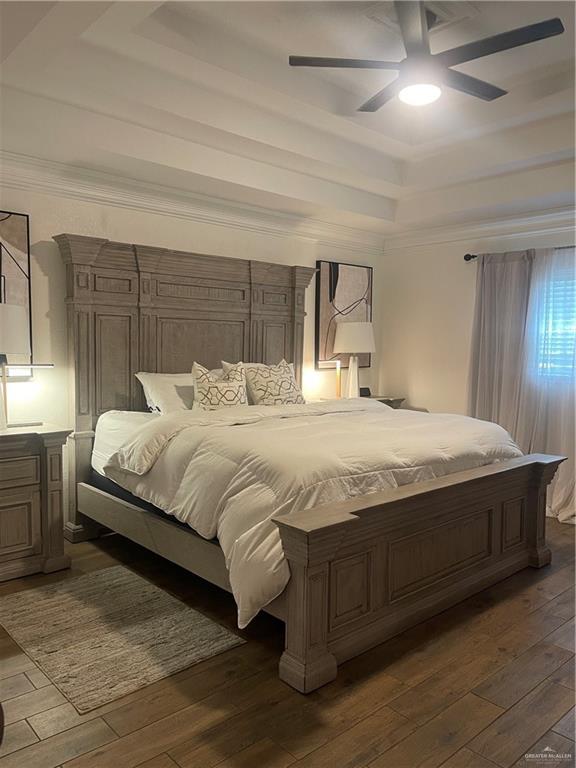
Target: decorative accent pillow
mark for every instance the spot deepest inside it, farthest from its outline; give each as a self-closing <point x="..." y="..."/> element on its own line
<point x="211" y="392"/>
<point x="167" y="392"/>
<point x="272" y="384"/>
<point x="250" y="367"/>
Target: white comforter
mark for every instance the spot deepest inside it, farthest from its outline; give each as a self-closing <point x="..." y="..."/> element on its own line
<point x="227" y="473"/>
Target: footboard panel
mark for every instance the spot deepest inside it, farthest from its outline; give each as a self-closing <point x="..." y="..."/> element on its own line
<point x="364" y="570"/>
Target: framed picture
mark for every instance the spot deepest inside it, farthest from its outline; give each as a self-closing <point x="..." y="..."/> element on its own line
<point x="15" y="268"/>
<point x="343" y="293"/>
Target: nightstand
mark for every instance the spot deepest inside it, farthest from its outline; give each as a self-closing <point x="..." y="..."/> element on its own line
<point x="393" y="402"/>
<point x="31" y="525"/>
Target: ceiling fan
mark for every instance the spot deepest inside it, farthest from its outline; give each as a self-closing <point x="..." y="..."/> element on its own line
<point x="421" y="74"/>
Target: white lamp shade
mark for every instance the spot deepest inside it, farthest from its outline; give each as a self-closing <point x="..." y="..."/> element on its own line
<point x="354" y="338"/>
<point x="14" y="330"/>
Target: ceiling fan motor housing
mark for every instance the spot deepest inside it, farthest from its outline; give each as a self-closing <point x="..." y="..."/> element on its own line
<point x="421" y="68"/>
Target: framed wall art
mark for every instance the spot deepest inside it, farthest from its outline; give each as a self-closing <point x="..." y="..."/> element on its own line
<point x="343" y="293"/>
<point x="15" y="275"/>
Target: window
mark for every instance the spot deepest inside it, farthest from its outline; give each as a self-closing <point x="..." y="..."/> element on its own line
<point x="555" y="320"/>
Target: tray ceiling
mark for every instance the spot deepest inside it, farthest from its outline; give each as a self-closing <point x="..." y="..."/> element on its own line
<point x="198" y="97"/>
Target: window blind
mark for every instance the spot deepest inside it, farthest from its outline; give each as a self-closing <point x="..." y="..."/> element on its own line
<point x="556" y="342"/>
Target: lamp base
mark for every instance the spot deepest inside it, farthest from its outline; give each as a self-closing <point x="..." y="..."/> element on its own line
<point x="352" y="384"/>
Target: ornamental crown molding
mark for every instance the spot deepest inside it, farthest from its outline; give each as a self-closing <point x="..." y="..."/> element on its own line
<point x="551" y="221"/>
<point x="34" y="174"/>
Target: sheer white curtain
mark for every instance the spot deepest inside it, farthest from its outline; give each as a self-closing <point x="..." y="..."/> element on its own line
<point x="547" y="422"/>
<point x="523" y="369"/>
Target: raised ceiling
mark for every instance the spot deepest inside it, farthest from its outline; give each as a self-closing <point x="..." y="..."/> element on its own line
<point x="197" y="98"/>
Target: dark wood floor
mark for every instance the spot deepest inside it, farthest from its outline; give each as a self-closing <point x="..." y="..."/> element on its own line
<point x="476" y="687"/>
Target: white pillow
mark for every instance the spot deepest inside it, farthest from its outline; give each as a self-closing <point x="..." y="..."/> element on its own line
<point x="212" y="392"/>
<point x="167" y="392"/>
<point x="251" y="367"/>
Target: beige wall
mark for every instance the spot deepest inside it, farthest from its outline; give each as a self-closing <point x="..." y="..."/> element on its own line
<point x="427" y="311"/>
<point x="423" y="299"/>
<point x="46" y="397"/>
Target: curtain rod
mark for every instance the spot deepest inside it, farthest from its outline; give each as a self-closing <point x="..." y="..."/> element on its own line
<point x="470" y="256"/>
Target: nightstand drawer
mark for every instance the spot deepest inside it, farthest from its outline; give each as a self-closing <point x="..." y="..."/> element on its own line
<point x="20" y="524"/>
<point x="15" y="473"/>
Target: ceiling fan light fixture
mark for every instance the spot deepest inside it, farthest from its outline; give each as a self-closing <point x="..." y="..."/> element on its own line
<point x="419" y="94"/>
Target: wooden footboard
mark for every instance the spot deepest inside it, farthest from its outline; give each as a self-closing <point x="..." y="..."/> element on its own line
<point x="366" y="569"/>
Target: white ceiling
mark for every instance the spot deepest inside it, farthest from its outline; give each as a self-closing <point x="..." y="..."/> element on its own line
<point x="198" y="97"/>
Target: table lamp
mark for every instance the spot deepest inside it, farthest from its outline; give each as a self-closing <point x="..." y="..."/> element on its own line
<point x="355" y="339"/>
<point x="14" y="340"/>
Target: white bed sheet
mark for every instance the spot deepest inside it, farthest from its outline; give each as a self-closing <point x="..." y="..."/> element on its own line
<point x="113" y="429"/>
<point x="228" y="473"/>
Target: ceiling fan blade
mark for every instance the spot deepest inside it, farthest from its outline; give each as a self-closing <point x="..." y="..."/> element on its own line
<point x="319" y="61"/>
<point x="503" y="42"/>
<point x="412" y="20"/>
<point x="472" y="85"/>
<point x="380" y="98"/>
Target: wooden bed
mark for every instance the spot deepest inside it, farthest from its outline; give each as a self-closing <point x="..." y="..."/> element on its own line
<point x="362" y="570"/>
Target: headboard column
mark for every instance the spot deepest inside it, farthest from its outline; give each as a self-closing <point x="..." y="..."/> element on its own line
<point x="136" y="307"/>
<point x="302" y="277"/>
<point x="79" y="255"/>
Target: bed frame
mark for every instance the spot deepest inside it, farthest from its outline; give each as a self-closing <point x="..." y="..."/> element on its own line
<point x="362" y="570"/>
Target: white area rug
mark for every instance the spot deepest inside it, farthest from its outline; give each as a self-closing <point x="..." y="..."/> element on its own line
<point x="109" y="633"/>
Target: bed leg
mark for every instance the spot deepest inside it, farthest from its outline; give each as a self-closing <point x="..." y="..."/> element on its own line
<point x="544" y="472"/>
<point x="306" y="664"/>
<point x="81" y="529"/>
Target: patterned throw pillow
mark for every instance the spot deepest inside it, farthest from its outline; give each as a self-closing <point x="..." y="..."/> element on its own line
<point x="247" y="368"/>
<point x="211" y="392"/>
<point x="273" y="385"/>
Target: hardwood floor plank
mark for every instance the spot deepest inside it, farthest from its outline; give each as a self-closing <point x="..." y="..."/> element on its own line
<point x="315" y="720"/>
<point x="59" y="749"/>
<point x="30" y="703"/>
<point x="565" y="675"/>
<point x="564" y="636"/>
<point x="507" y="739"/>
<point x="15" y="686"/>
<point x="8" y="646"/>
<point x="519" y="677"/>
<point x="532" y="629"/>
<point x="562" y="755"/>
<point x="413" y="664"/>
<point x="433" y="743"/>
<point x="61" y="718"/>
<point x="17" y="736"/>
<point x="224" y="740"/>
<point x="172" y="697"/>
<point x="262" y="688"/>
<point x="38" y="678"/>
<point x="361" y="744"/>
<point x="15" y="663"/>
<point x="564" y="604"/>
<point x="58" y="719"/>
<point x="257" y="700"/>
<point x="501" y="606"/>
<point x="427" y="699"/>
<point x="465" y="758"/>
<point x="566" y="726"/>
<point x="264" y="753"/>
<point x="162" y="761"/>
<point x="157" y="738"/>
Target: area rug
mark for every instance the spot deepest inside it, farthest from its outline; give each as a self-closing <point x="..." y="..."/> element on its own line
<point x="109" y="633"/>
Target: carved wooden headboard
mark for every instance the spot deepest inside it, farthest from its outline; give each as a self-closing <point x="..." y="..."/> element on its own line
<point x="138" y="308"/>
